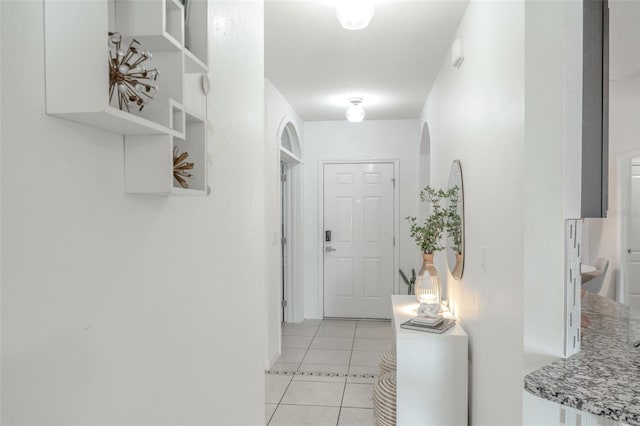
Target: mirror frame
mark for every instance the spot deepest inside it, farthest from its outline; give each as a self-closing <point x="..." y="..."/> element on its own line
<point x="456" y="266"/>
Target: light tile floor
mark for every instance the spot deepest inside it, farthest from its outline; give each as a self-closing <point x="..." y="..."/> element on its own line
<point x="328" y="346"/>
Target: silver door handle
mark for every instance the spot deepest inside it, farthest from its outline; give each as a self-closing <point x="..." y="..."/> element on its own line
<point x="329" y="249"/>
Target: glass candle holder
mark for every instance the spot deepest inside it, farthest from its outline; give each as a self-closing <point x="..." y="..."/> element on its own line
<point x="428" y="280"/>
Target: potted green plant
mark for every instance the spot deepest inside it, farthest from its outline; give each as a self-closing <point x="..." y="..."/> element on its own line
<point x="428" y="237"/>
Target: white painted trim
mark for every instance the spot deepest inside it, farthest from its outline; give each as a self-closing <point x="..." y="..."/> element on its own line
<point x="294" y="294"/>
<point x="288" y="156"/>
<point x="396" y="222"/>
<point x="624" y="194"/>
<point x="288" y="118"/>
<point x="274" y="358"/>
<point x="294" y="311"/>
<point x="1" y="145"/>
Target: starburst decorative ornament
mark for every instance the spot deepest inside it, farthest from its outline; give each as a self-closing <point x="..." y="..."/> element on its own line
<point x="180" y="167"/>
<point x="128" y="78"/>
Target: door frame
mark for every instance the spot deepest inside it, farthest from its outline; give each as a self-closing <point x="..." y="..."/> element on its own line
<point x="294" y="311"/>
<point x="285" y="259"/>
<point x="396" y="221"/>
<point x="624" y="198"/>
<point x="293" y="279"/>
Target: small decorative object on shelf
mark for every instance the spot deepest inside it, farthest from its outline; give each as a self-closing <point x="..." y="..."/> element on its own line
<point x="429" y="307"/>
<point x="428" y="281"/>
<point x="409" y="282"/>
<point x="127" y="76"/>
<point x="439" y="326"/>
<point x="180" y="167"/>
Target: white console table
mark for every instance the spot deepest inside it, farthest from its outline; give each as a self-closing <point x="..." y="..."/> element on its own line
<point x="431" y="371"/>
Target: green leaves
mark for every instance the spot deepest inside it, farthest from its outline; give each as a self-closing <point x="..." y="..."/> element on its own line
<point x="409" y="282"/>
<point x="428" y="236"/>
<point x="454" y="221"/>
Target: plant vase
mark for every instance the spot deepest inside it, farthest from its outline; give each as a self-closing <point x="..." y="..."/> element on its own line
<point x="428" y="280"/>
<point x="457" y="270"/>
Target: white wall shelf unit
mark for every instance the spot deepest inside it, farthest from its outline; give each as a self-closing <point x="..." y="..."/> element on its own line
<point x="156" y="24"/>
<point x="195" y="143"/>
<point x="149" y="160"/>
<point x="196" y="56"/>
<point x="77" y="82"/>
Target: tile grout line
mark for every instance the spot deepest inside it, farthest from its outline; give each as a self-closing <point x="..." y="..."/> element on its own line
<point x="291" y="381"/>
<point x="355" y="331"/>
<point x="280" y="401"/>
<point x="348" y="371"/>
<point x="309" y="347"/>
<point x="344" y="389"/>
<point x="312" y="405"/>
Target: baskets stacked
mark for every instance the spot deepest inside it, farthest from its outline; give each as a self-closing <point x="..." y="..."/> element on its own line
<point x="384" y="399"/>
<point x="384" y="391"/>
<point x="388" y="361"/>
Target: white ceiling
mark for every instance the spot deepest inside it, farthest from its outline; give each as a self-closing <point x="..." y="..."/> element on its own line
<point x="392" y="64"/>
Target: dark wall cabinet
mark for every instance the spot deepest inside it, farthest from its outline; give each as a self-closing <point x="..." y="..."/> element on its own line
<point x="595" y="109"/>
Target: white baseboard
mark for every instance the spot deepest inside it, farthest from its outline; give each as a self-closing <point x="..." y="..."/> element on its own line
<point x="273" y="360"/>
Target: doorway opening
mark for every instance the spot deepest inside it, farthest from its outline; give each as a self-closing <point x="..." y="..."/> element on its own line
<point x="292" y="308"/>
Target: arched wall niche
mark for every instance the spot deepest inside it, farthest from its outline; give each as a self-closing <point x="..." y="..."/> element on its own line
<point x="289" y="139"/>
<point x="425" y="140"/>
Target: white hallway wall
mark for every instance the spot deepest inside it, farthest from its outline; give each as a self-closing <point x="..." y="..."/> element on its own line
<point x="120" y="309"/>
<point x="476" y="114"/>
<point x="553" y="137"/>
<point x="341" y="140"/>
<point x="277" y="113"/>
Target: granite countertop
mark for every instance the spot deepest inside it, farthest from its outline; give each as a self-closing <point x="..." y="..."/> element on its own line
<point x="604" y="377"/>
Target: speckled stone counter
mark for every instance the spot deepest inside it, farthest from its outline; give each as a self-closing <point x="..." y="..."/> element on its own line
<point x="604" y="377"/>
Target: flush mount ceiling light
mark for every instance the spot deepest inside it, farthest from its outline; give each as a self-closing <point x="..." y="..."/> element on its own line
<point x="354" y="14"/>
<point x="355" y="113"/>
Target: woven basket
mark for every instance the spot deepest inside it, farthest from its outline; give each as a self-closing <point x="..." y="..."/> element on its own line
<point x="388" y="361"/>
<point x="384" y="399"/>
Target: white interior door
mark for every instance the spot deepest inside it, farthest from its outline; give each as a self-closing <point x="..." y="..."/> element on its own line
<point x="633" y="252"/>
<point x="358" y="253"/>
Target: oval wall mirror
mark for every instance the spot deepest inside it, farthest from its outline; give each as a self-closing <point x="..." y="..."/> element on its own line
<point x="455" y="222"/>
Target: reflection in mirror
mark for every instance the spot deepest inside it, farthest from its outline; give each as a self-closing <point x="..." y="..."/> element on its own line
<point x="455" y="225"/>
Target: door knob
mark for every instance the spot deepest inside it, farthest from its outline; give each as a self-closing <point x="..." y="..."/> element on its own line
<point x="329" y="249"/>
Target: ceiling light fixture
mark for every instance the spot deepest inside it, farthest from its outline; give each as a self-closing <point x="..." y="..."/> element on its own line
<point x="354" y="14"/>
<point x="355" y="113"/>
